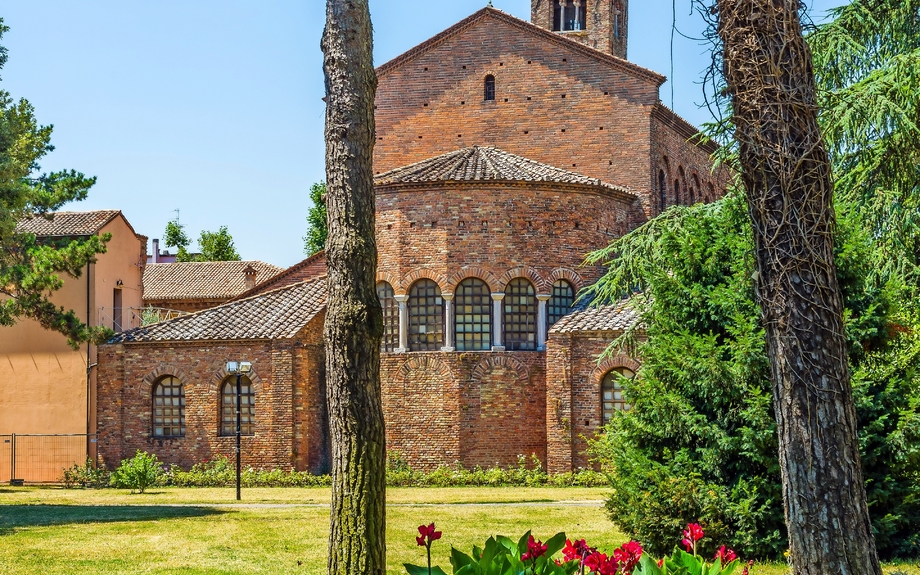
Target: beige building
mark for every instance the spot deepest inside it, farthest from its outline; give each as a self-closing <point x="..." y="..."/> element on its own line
<point x="49" y="387"/>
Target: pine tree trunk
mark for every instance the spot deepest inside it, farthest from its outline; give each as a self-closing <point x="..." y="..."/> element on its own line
<point x="354" y="322"/>
<point x="787" y="176"/>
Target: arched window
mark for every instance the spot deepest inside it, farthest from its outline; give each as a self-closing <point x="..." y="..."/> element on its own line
<point x="662" y="190"/>
<point x="489" y="92"/>
<point x="228" y="407"/>
<point x="520" y="315"/>
<point x="677" y="198"/>
<point x="390" y="340"/>
<point x="169" y="408"/>
<point x="711" y="192"/>
<point x="473" y="315"/>
<point x="696" y="193"/>
<point x="426" y="316"/>
<point x="560" y="303"/>
<point x="612" y="398"/>
<point x="569" y="15"/>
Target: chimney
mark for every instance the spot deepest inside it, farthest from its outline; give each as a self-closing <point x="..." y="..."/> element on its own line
<point x="250" y="273"/>
<point x="156" y="250"/>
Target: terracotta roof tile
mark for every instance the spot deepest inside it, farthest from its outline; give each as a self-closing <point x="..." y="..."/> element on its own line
<point x="278" y="314"/>
<point x="60" y="224"/>
<point x="482" y="164"/>
<point x="202" y="280"/>
<point x="617" y="317"/>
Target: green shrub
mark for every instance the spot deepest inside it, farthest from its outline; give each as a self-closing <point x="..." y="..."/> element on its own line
<point x="87" y="476"/>
<point x="138" y="473"/>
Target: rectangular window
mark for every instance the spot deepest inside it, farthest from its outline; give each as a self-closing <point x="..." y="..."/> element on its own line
<point x="116" y="310"/>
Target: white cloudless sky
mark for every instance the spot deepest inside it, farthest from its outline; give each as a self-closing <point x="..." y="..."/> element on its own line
<point x="213" y="107"/>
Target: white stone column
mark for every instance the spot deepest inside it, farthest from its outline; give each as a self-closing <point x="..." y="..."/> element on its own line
<point x="448" y="321"/>
<point x="497" y="321"/>
<point x="403" y="301"/>
<point x="541" y="320"/>
<point x="577" y="24"/>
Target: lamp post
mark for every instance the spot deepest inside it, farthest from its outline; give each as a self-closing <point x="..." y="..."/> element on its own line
<point x="238" y="368"/>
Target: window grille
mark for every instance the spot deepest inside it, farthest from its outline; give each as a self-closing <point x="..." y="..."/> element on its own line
<point x="560" y="303"/>
<point x="489" y="88"/>
<point x="228" y="407"/>
<point x="390" y="340"/>
<point x="520" y="315"/>
<point x="426" y="316"/>
<point x="473" y="319"/>
<point x="612" y="396"/>
<point x="169" y="408"/>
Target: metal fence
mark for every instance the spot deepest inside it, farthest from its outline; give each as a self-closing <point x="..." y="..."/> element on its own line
<point x="42" y="458"/>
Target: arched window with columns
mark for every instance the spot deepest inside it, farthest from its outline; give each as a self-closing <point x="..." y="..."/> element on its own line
<point x="569" y="15"/>
<point x="612" y="398"/>
<point x="385" y="294"/>
<point x="519" y="316"/>
<point x="473" y="315"/>
<point x="168" y="408"/>
<point x="426" y="316"/>
<point x="560" y="304"/>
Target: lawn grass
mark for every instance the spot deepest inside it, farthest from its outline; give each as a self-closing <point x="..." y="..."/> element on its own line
<point x="194" y="531"/>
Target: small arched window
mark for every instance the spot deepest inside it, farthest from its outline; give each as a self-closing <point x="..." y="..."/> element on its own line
<point x="696" y="192"/>
<point x="390" y="340"/>
<point x="473" y="315"/>
<point x="662" y="190"/>
<point x="711" y="192"/>
<point x="426" y="316"/>
<point x="489" y="91"/>
<point x="520" y="315"/>
<point x="560" y="303"/>
<point x="169" y="408"/>
<point x="228" y="407"/>
<point x="612" y="398"/>
<point x="677" y="198"/>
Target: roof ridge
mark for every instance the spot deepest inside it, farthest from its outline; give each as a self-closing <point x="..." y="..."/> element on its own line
<point x="559" y="39"/>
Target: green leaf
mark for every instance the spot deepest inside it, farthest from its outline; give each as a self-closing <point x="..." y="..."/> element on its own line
<point x="555" y="544"/>
<point x="522" y="544"/>
<point x="415" y="569"/>
<point x="647" y="566"/>
<point x="459" y="559"/>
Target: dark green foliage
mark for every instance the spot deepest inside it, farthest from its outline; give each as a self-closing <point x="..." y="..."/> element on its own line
<point x="215" y="246"/>
<point x="138" y="473"/>
<point x="30" y="270"/>
<point x="700" y="442"/>
<point x="315" y="240"/>
<point x="87" y="476"/>
<point x="175" y="237"/>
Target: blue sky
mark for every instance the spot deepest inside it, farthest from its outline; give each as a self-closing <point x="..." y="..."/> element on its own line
<point x="213" y="107"/>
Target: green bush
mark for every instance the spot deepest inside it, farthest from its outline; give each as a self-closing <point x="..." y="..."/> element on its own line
<point x="87" y="476"/>
<point x="138" y="473"/>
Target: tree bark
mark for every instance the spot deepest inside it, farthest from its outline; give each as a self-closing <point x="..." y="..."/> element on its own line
<point x="354" y="322"/>
<point x="787" y="176"/>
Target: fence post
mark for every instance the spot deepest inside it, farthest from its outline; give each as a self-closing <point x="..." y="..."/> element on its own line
<point x="12" y="458"/>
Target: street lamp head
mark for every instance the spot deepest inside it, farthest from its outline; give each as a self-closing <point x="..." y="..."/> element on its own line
<point x="233" y="366"/>
<point x="238" y="367"/>
<point x="245" y="367"/>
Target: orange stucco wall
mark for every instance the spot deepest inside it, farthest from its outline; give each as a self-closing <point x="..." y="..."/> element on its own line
<point x="45" y="386"/>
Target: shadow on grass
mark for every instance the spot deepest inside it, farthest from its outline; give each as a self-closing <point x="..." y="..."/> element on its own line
<point x="14" y="516"/>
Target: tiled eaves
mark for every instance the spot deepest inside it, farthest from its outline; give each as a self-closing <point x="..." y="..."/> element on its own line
<point x="558" y="39"/>
<point x="183" y="281"/>
<point x="280" y="276"/>
<point x="66" y="224"/>
<point x="622" y="194"/>
<point x="603" y="319"/>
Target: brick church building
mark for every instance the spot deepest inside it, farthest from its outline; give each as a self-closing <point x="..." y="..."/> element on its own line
<point x="505" y="152"/>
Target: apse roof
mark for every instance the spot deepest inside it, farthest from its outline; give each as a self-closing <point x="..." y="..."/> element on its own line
<point x="202" y="280"/>
<point x="485" y="164"/>
<point x="278" y="314"/>
<point x="617" y="317"/>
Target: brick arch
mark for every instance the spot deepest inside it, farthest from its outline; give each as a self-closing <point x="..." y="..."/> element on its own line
<point x="418" y="274"/>
<point x="426" y="362"/>
<point x="222" y="374"/>
<point x="161" y="370"/>
<point x="473" y="272"/>
<point x="570" y="276"/>
<point x="539" y="284"/>
<point x="612" y="363"/>
<point x="504" y="361"/>
<point x="665" y="164"/>
<point x="390" y="279"/>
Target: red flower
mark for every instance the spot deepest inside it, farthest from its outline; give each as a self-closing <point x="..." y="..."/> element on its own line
<point x="725" y="555"/>
<point x="576" y="551"/>
<point x="692" y="534"/>
<point x="599" y="563"/>
<point x="628" y="556"/>
<point x="534" y="549"/>
<point x="427" y="535"/>
<point x="748" y="566"/>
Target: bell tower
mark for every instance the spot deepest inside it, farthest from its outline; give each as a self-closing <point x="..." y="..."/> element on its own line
<point x="600" y="24"/>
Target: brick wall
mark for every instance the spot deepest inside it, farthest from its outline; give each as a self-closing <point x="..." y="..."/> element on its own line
<point x="290" y="402"/>
<point x="496" y="233"/>
<point x="573" y="391"/>
<point x="556" y="102"/>
<point x="478" y="408"/>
